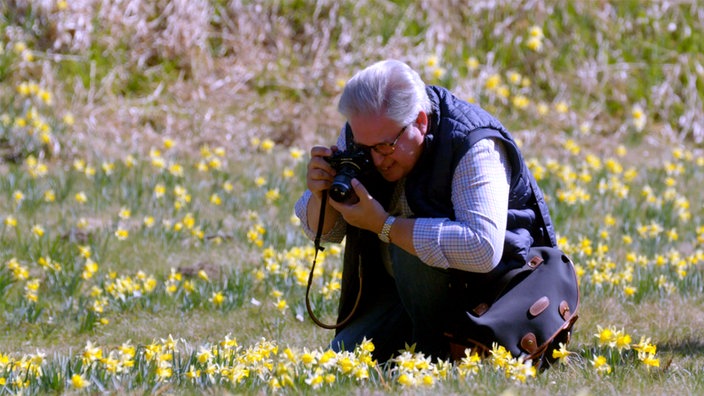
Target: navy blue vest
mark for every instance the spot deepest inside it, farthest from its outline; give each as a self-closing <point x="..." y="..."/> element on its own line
<point x="454" y="127"/>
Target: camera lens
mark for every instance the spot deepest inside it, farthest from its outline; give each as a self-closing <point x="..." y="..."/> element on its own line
<point x="347" y="165"/>
<point x="341" y="189"/>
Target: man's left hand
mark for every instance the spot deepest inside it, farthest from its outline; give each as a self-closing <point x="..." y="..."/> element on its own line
<point x="367" y="213"/>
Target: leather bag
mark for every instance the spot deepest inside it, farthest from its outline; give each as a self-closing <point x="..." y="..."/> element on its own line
<point x="528" y="308"/>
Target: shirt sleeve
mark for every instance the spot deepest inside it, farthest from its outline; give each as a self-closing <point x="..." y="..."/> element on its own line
<point x="474" y="241"/>
<point x="337" y="233"/>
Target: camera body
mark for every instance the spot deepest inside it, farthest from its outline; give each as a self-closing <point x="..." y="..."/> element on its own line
<point x="348" y="164"/>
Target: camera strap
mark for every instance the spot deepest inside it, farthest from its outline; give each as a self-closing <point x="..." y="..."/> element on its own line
<point x="318" y="247"/>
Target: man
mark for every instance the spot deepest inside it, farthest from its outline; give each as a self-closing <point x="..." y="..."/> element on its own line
<point x="450" y="194"/>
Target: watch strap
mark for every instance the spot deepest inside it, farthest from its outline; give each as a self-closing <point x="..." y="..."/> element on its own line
<point x="385" y="233"/>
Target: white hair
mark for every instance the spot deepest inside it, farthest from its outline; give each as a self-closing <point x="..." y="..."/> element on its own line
<point x="388" y="88"/>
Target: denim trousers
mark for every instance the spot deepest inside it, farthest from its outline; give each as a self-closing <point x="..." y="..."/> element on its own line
<point x="414" y="308"/>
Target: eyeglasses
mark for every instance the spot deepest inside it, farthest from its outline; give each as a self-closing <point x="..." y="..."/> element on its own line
<point x="384" y="148"/>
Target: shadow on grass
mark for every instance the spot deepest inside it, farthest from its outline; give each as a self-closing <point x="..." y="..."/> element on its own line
<point x="687" y="346"/>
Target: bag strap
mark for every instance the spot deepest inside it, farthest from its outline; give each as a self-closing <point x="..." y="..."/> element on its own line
<point x="318" y="247"/>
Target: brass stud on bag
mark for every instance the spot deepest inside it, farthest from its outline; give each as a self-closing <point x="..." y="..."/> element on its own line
<point x="565" y="312"/>
<point x="535" y="261"/>
<point x="529" y="343"/>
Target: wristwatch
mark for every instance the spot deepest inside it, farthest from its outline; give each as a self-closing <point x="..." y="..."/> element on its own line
<point x="385" y="232"/>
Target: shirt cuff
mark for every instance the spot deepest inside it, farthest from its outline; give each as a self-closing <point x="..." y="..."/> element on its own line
<point x="336" y="234"/>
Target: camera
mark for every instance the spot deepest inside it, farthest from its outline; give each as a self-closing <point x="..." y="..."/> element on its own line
<point x="348" y="164"/>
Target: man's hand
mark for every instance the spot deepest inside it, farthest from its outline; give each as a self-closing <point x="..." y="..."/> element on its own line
<point x="367" y="213"/>
<point x="320" y="174"/>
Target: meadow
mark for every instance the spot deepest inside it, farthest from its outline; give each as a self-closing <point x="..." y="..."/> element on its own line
<point x="151" y="153"/>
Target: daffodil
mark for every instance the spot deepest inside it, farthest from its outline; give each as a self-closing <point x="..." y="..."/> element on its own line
<point x="214" y="163"/>
<point x="49" y="195"/>
<point x="168" y="143"/>
<point x="281" y="305"/>
<point x="601" y="365"/>
<point x="176" y="170"/>
<point x="561" y="354"/>
<point x="79" y="382"/>
<point x="267" y="145"/>
<point x="38" y="230"/>
<point x="520" y="102"/>
<point x="439" y="72"/>
<point x="606" y="336"/>
<point x="638" y="117"/>
<point x="217" y="299"/>
<point x="215" y="199"/>
<point x="469" y="364"/>
<point x="623" y="340"/>
<point x="645" y="346"/>
<point x="294" y="220"/>
<point x="32" y="290"/>
<point x="534" y="43"/>
<point x="472" y="63"/>
<point x="272" y="195"/>
<point x="81" y="197"/>
<point x="17" y="196"/>
<point x="124" y="213"/>
<point x="649" y="359"/>
<point x="493" y="82"/>
<point x="91" y="353"/>
<point x="122" y="234"/>
<point x="69" y="119"/>
<point x="10" y="221"/>
<point x="259" y="181"/>
<point x="204" y="355"/>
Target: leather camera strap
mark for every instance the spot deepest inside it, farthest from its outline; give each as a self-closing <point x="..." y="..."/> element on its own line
<point x="318" y="234"/>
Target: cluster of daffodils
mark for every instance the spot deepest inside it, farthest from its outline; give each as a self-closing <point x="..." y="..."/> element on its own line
<point x="415" y="369"/>
<point x="412" y="369"/>
<point x="30" y="125"/>
<point x="172" y="211"/>
<point x="172" y="361"/>
<point x="646" y="210"/>
<point x="619" y="344"/>
<point x="511" y="87"/>
<point x="434" y="68"/>
<point x="638" y="118"/>
<point x="28" y="121"/>
<point x="266" y="365"/>
<point x="226" y="363"/>
<point x="535" y="38"/>
<point x="511" y="90"/>
<point x="108" y="292"/>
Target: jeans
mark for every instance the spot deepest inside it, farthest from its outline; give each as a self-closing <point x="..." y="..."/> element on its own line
<point x="413" y="309"/>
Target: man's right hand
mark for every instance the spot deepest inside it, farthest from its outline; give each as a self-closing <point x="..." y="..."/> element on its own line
<point x="320" y="174"/>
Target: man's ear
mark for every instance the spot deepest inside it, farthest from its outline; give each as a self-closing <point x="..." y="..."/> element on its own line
<point x="422" y="122"/>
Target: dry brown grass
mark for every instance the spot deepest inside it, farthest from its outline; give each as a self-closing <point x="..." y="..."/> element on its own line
<point x="221" y="72"/>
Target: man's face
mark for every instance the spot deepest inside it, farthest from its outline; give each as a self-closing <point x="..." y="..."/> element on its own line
<point x="394" y="148"/>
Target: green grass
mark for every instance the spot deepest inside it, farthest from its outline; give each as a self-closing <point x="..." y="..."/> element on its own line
<point x="209" y="252"/>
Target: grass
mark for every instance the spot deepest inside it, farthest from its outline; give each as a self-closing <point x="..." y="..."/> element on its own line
<point x="147" y="193"/>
